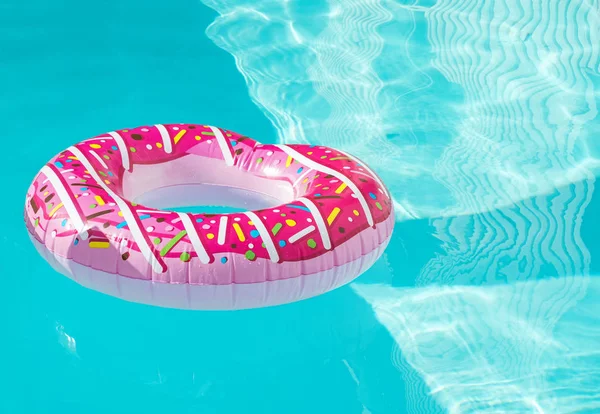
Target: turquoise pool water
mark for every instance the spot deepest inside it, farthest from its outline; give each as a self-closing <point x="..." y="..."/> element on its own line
<point x="482" y="117"/>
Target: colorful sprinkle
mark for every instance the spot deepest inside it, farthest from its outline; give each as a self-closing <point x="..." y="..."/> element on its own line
<point x="289" y="160"/>
<point x="250" y="255"/>
<point x="179" y="135"/>
<point x="254" y="233"/>
<point x="199" y="220"/>
<point x="258" y="161"/>
<point x="172" y="243"/>
<point x="99" y="200"/>
<point x="156" y="240"/>
<point x="290" y="222"/>
<point x="210" y="236"/>
<point x="282" y="243"/>
<point x="239" y="232"/>
<point x="299" y="170"/>
<point x="340" y="188"/>
<point x="298" y="207"/>
<point x="63" y="223"/>
<point x="198" y="138"/>
<point x="356" y="213"/>
<point x="95" y="146"/>
<point x="233" y="143"/>
<point x="311" y="243"/>
<point x="99" y="244"/>
<point x="276" y="228"/>
<point x="223" y="260"/>
<point x="132" y="149"/>
<point x="373" y="196"/>
<point x="125" y="256"/>
<point x="185" y="257"/>
<point x="93" y="206"/>
<point x="378" y="205"/>
<point x="334" y="213"/>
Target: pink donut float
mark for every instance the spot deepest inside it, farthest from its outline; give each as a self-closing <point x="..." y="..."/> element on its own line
<point x="85" y="213"/>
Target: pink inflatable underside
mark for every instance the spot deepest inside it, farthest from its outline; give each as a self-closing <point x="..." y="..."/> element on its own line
<point x="235" y="295"/>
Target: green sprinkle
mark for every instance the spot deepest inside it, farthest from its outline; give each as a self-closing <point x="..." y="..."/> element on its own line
<point x="37" y="221"/>
<point x="102" y="173"/>
<point x="156" y="240"/>
<point x="283" y="214"/>
<point x="378" y="205"/>
<point x="106" y="157"/>
<point x="276" y="228"/>
<point x="311" y="243"/>
<point x="258" y="161"/>
<point x="172" y="243"/>
<point x="263" y="245"/>
<point x="210" y="133"/>
<point x="185" y="257"/>
<point x="250" y="255"/>
<point x="131" y="149"/>
<point x="93" y="206"/>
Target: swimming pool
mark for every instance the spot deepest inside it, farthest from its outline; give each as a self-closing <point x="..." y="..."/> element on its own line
<point x="479" y="115"/>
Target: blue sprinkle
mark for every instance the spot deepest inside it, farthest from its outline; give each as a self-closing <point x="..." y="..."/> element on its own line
<point x="199" y="220"/>
<point x="84" y="188"/>
<point x="64" y="223"/>
<point x="299" y="170"/>
<point x="76" y="242"/>
<point x="59" y="164"/>
<point x="69" y="160"/>
<point x="233" y="143"/>
<point x="318" y="195"/>
<point x="254" y="233"/>
<point x="223" y="260"/>
<point x="121" y="225"/>
<point x="312" y="146"/>
<point x="282" y="243"/>
<point x="144" y="216"/>
<point x="373" y="196"/>
<point x="298" y="207"/>
<point x="114" y="148"/>
<point x="110" y="174"/>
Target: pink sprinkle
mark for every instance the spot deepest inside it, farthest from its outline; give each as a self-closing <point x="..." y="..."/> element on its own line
<point x="176" y="220"/>
<point x="169" y="228"/>
<point x="350" y="219"/>
<point x="149" y="146"/>
<point x="206" y="227"/>
<point x="277" y="162"/>
<point x="333" y="181"/>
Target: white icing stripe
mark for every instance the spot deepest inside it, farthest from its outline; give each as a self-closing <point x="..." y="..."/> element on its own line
<point x="122" y="149"/>
<point x="155" y="211"/>
<point x="222" y="228"/>
<point x="320" y="167"/>
<point x="366" y="167"/>
<point x="138" y="236"/>
<point x="166" y="139"/>
<point x="318" y="221"/>
<point x="223" y="145"/>
<point x="194" y="238"/>
<point x="99" y="159"/>
<point x="294" y="238"/>
<point x="61" y="171"/>
<point x="67" y="201"/>
<point x="265" y="236"/>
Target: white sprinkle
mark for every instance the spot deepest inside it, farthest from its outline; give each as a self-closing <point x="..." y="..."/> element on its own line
<point x="53" y="233"/>
<point x="145" y="129"/>
<point x="250" y="246"/>
<point x="209" y="141"/>
<point x="346" y="167"/>
<point x="277" y="162"/>
<point x="149" y="146"/>
<point x="71" y="177"/>
<point x="212" y="222"/>
<point x="276" y="211"/>
<point x="309" y="220"/>
<point x="354" y="195"/>
<point x="350" y="219"/>
<point x="205" y="226"/>
<point x="175" y="128"/>
<point x="269" y="153"/>
<point x="149" y="228"/>
<point x="102" y="140"/>
<point x="327" y="152"/>
<point x="112" y="204"/>
<point x="236" y="219"/>
<point x="85" y="194"/>
<point x="333" y="181"/>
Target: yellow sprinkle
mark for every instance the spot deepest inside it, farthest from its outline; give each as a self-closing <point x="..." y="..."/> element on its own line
<point x="59" y="205"/>
<point x="179" y="135"/>
<point x="290" y="222"/>
<point x="107" y="182"/>
<point x="99" y="200"/>
<point x="95" y="146"/>
<point x="333" y="215"/>
<point x="289" y="160"/>
<point x="309" y="152"/>
<point x="305" y="180"/>
<point x="72" y="157"/>
<point x="318" y="185"/>
<point x="158" y="145"/>
<point x="210" y="236"/>
<point x="339" y="158"/>
<point x="238" y="231"/>
<point x="340" y="188"/>
<point x="46" y="193"/>
<point x="120" y="214"/>
<point x="356" y="213"/>
<point x="251" y="223"/>
<point x="99" y="245"/>
<point x="198" y="138"/>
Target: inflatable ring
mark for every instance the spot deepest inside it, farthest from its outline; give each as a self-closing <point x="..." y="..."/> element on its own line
<point x="85" y="214"/>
